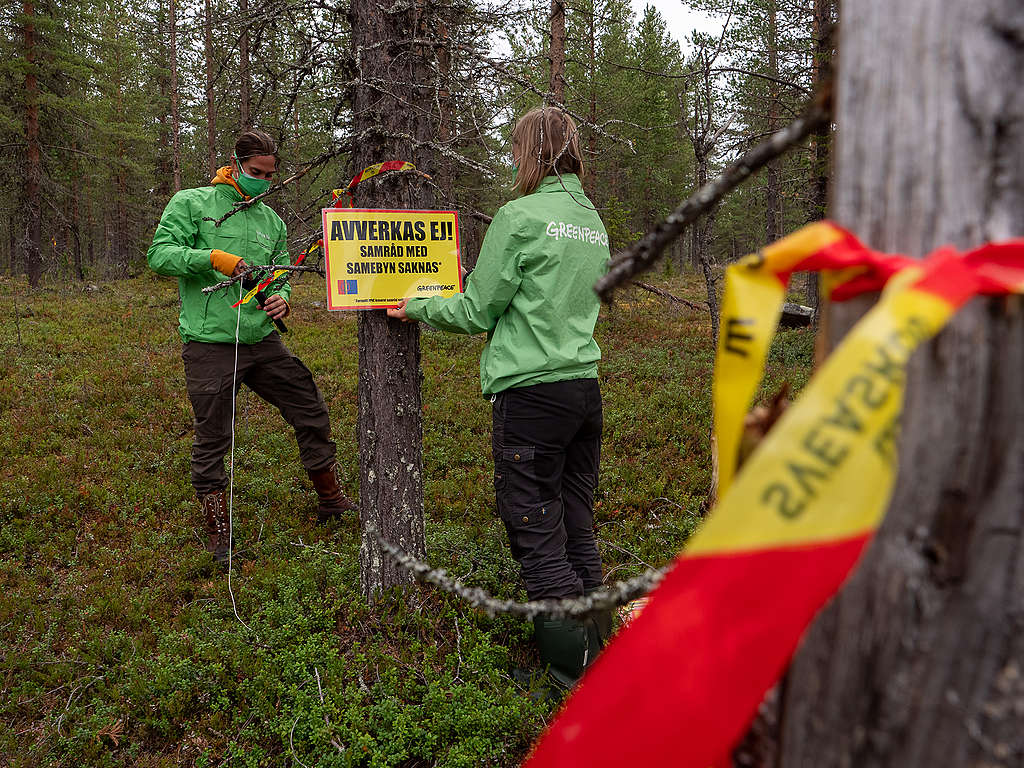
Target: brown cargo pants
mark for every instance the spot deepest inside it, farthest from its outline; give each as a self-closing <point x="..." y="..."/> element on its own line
<point x="273" y="373"/>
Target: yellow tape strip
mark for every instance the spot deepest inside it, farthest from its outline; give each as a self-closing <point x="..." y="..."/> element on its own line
<point x="751" y="306"/>
<point x="259" y="285"/>
<point x="826" y="470"/>
<point x="249" y="295"/>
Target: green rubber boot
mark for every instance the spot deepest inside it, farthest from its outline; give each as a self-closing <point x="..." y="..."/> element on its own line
<point x="565" y="649"/>
<point x="599" y="632"/>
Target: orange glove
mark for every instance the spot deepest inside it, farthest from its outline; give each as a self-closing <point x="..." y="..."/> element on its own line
<point x="223" y="261"/>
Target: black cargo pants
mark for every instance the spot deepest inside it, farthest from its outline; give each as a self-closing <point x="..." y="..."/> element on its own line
<point x="273" y="373"/>
<point x="547" y="449"/>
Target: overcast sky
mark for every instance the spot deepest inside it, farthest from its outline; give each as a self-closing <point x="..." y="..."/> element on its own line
<point x="681" y="20"/>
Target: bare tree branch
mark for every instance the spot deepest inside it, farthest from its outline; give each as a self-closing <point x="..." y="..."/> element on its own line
<point x="261" y="270"/>
<point x="307" y="167"/>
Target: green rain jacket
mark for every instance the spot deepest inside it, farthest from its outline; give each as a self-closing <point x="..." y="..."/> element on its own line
<point x="181" y="248"/>
<point x="532" y="290"/>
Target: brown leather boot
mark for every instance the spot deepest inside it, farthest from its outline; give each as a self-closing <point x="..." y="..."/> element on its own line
<point x="215" y="514"/>
<point x="333" y="503"/>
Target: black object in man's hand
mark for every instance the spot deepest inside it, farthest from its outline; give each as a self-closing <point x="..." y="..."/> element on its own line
<point x="248" y="283"/>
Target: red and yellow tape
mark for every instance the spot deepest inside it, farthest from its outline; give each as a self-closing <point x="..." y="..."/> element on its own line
<point x="348" y="193"/>
<point x="679" y="685"/>
<point x="310" y="249"/>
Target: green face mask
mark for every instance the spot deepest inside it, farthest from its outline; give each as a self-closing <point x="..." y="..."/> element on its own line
<point x="250" y="185"/>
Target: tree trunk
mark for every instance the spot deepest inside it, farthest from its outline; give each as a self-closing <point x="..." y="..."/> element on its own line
<point x="244" y="72"/>
<point x="12" y="237"/>
<point x="592" y="79"/>
<point x="76" y="218"/>
<point x="296" y="218"/>
<point x="164" y="164"/>
<point x="121" y="227"/>
<point x="772" y="171"/>
<point x="390" y="414"/>
<point x="918" y="662"/>
<point x="823" y="13"/>
<point x="703" y="229"/>
<point x="211" y="107"/>
<point x="33" y="162"/>
<point x="175" y="117"/>
<point x="556" y="54"/>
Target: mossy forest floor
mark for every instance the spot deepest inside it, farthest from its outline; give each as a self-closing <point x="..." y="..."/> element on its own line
<point x="119" y="643"/>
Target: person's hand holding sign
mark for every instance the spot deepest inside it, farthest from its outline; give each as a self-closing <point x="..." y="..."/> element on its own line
<point x="398" y="313"/>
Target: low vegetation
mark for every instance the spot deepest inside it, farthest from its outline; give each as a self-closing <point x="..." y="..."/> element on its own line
<point x="120" y="644"/>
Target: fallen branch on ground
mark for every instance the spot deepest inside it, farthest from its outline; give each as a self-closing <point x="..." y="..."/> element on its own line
<point x="700" y="306"/>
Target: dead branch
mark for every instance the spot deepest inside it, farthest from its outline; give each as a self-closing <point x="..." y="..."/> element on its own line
<point x="262" y="270"/>
<point x="307" y="167"/>
<point x="700" y="306"/>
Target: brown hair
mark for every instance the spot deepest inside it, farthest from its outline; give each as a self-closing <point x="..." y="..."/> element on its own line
<point x="545" y="141"/>
<point x="255" y="142"/>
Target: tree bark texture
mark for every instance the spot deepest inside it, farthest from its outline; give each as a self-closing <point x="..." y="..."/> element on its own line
<point x="33" y="242"/>
<point x="175" y="115"/>
<point x="76" y="228"/>
<point x="592" y="78"/>
<point x="120" y="246"/>
<point x="165" y="162"/>
<point x="244" y="71"/>
<point x="211" y="105"/>
<point x="394" y="118"/>
<point x="823" y="14"/>
<point x="920" y="660"/>
<point x="556" y="53"/>
<point x="773" y="171"/>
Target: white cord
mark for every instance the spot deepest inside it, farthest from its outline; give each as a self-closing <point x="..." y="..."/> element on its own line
<point x="231" y="470"/>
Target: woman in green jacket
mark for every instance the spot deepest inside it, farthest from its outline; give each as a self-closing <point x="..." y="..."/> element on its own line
<point x="189" y="245"/>
<point x="532" y="294"/>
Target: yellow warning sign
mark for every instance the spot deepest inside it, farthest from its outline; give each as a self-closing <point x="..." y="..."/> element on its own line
<point x="376" y="258"/>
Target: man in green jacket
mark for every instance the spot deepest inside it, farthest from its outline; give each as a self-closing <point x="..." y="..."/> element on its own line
<point x="189" y="245"/>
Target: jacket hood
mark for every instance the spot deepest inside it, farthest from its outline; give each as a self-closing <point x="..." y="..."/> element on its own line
<point x="226" y="176"/>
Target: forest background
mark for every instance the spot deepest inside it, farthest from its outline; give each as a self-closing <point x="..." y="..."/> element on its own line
<point x="107" y="108"/>
<point x="121" y="646"/>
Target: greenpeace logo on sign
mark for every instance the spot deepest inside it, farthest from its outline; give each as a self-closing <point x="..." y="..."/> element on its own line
<point x="560" y="230"/>
<point x="435" y="287"/>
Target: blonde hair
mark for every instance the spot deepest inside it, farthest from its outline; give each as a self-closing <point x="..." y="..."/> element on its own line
<point x="546" y="141"/>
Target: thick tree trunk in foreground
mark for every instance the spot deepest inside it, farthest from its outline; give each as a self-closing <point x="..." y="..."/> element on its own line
<point x="920" y="660"/>
<point x="387" y="106"/>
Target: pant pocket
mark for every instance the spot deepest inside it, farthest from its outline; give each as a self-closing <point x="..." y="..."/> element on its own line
<point x="537" y="538"/>
<point x="515" y="481"/>
<point x="206" y="385"/>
